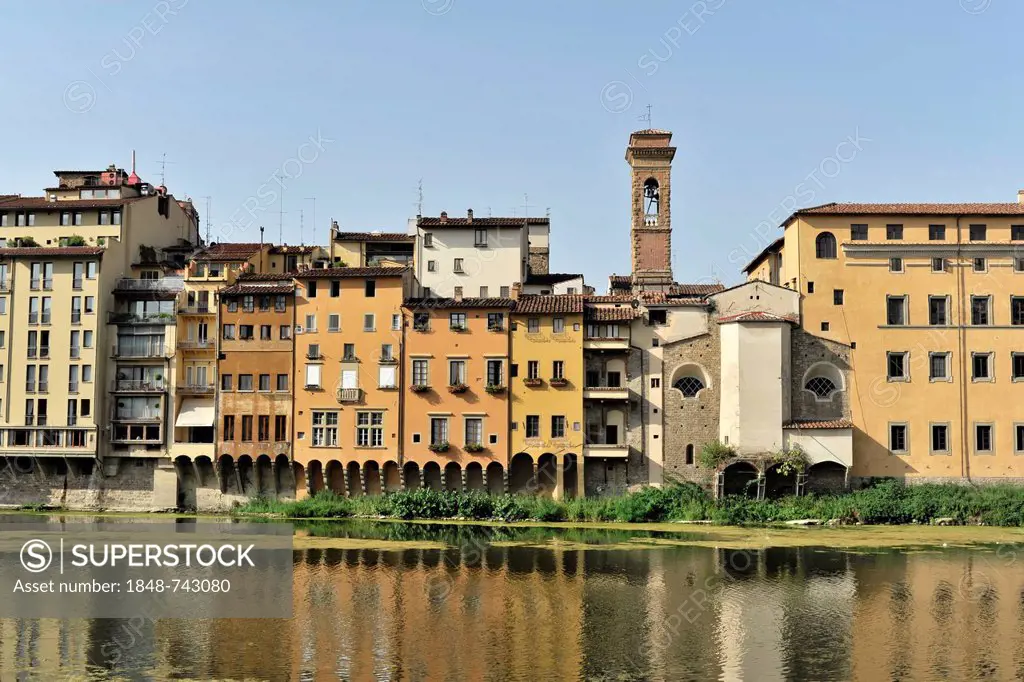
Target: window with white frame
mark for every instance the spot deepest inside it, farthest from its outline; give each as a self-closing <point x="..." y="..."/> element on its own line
<point x="387" y="376"/>
<point x="438" y="430"/>
<point x="940" y="438"/>
<point x="983" y="438"/>
<point x="938" y="366"/>
<point x="456" y="372"/>
<point x="313" y="376"/>
<point x="370" y="429"/>
<point x="474" y="431"/>
<point x="420" y="373"/>
<point x="325" y="428"/>
<point x="898" y="440"/>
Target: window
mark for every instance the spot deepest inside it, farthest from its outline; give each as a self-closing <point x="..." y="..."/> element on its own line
<point x="263" y="429"/>
<point x="285" y="332"/>
<point x="431" y="266"/>
<point x="533" y="325"/>
<point x="495" y="373"/>
<point x="91" y="269"/>
<point x="837" y="296"/>
<point x="280" y="428"/>
<point x="310" y="322"/>
<point x="334" y="322"/>
<point x="977" y="233"/>
<point x="980" y="306"/>
<point x="495" y="321"/>
<point x="229" y="427"/>
<point x="244" y="382"/>
<point x="1017" y="232"/>
<point x="225" y="382"/>
<point x="474" y="431"/>
<point x="480" y="237"/>
<point x="898" y="437"/>
<point x="245" y="332"/>
<point x="980" y="265"/>
<point x="824" y="327"/>
<point x="396" y="322"/>
<point x="532" y="426"/>
<point x="532" y="369"/>
<point x="325" y="429"/>
<point x="87" y="373"/>
<point x="558" y="324"/>
<point x="558" y="369"/>
<point x="421" y="321"/>
<point x="557" y="426"/>
<point x="822" y="387"/>
<point x="940" y="438"/>
<point x="1018" y="264"/>
<point x="369" y="322"/>
<point x="311" y="289"/>
<point x="264" y="382"/>
<point x="938" y="311"/>
<point x="810" y="287"/>
<point x="936" y="233"/>
<point x="858" y="233"/>
<point x="895" y="265"/>
<point x="938" y="264"/>
<point x="983" y="438"/>
<point x="280" y="303"/>
<point x="246" y="428"/>
<point x="938" y="366"/>
<point x="438" y="430"/>
<point x="896" y="366"/>
<point x="387" y="352"/>
<point x="690" y="386"/>
<point x="335" y="288"/>
<point x="420" y="373"/>
<point x="504" y="292"/>
<point x="456" y="372"/>
<point x="348" y="351"/>
<point x="484" y="292"/>
<point x="457" y="266"/>
<point x="825" y="245"/>
<point x="981" y="366"/>
<point x="896" y="310"/>
<point x="248" y="304"/>
<point x="65" y="218"/>
<point x="1018" y="438"/>
<point x="370" y="288"/>
<point x="894" y="232"/>
<point x="265" y="332"/>
<point x="457" y="321"/>
<point x="387" y="376"/>
<point x="232" y="306"/>
<point x="370" y="429"/>
<point x="1017" y="310"/>
<point x="428" y="239"/>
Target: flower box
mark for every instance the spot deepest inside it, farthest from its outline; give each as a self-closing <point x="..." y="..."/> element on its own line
<point x="533" y="382"/>
<point x="559" y="382"/>
<point x="419" y="388"/>
<point x="457" y="388"/>
<point x="438" y="447"/>
<point x="457" y="328"/>
<point x="494" y="388"/>
<point x="473" y="447"/>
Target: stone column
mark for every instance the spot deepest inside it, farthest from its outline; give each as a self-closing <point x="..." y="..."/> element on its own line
<point x="238" y="477"/>
<point x="559" y="477"/>
<point x="504" y="480"/>
<point x="309" y="479"/>
<point x="423" y="478"/>
<point x="401" y="477"/>
<point x="464" y="486"/>
<point x="581" y="480"/>
<point x="362" y="480"/>
<point x="344" y="481"/>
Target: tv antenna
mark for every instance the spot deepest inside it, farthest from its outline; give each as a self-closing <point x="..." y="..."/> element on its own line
<point x="209" y="213"/>
<point x="163" y="168"/>
<point x="300" y="227"/>
<point x="419" y="202"/>
<point x="646" y="117"/>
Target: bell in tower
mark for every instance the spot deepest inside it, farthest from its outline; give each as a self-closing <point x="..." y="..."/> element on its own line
<point x="650" y="155"/>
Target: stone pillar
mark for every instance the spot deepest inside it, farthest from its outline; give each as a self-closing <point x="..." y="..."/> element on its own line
<point x="464" y="486"/>
<point x="238" y="477"/>
<point x="309" y="479"/>
<point x="581" y="480"/>
<point x="504" y="481"/>
<point x="401" y="477"/>
<point x="344" y="481"/>
<point x="423" y="479"/>
<point x="362" y="480"/>
<point x="559" y="478"/>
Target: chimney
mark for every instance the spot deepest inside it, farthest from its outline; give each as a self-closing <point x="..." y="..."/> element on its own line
<point x="1020" y="196"/>
<point x="517" y="290"/>
<point x="469" y="216"/>
<point x="444" y="217"/>
<point x="458" y="294"/>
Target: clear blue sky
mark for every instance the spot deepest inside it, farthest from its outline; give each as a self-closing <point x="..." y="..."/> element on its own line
<point x="486" y="101"/>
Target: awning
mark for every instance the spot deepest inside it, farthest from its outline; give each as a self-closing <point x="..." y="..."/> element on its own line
<point x="195" y="412"/>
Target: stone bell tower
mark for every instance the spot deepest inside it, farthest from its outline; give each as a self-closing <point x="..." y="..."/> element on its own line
<point x="650" y="155"/>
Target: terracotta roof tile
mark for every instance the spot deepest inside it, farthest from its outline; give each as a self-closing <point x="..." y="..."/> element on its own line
<point x="266" y="276"/>
<point x="695" y="289"/>
<point x="44" y="204"/>
<point x="811" y="424"/>
<point x="47" y="252"/>
<point x="594" y="314"/>
<point x="480" y="222"/>
<point x="373" y="237"/>
<point x="257" y="289"/>
<point x="611" y="298"/>
<point x="228" y="251"/>
<point x="427" y="303"/>
<point x="1009" y="208"/>
<point x="293" y="249"/>
<point x="652" y="131"/>
<point x="756" y="316"/>
<point x="335" y="273"/>
<point x="555" y="303"/>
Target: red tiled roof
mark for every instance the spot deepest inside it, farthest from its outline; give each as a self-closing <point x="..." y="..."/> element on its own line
<point x="292" y="249"/>
<point x="620" y="280"/>
<point x="373" y="237"/>
<point x="481" y="222"/>
<point x="695" y="289"/>
<point x="611" y="298"/>
<point x="47" y="252"/>
<point x="228" y="251"/>
<point x="1009" y="208"/>
<point x="756" y="316"/>
<point x="811" y="424"/>
<point x="651" y="131"/>
<point x="610" y="314"/>
<point x="44" y="204"/>
<point x="257" y="289"/>
<point x="427" y="303"/>
<point x="555" y="303"/>
<point x="335" y="273"/>
<point x="266" y="276"/>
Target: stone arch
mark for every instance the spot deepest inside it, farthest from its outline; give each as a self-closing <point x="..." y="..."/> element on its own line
<point x="371" y="474"/>
<point x="298" y="477"/>
<point x="520" y="473"/>
<point x="412" y="475"/>
<point x="816" y="379"/>
<point x="613" y="367"/>
<point x="355" y="479"/>
<point x="247" y="474"/>
<point x="825" y="246"/>
<point x="740" y="478"/>
<point x="569" y="480"/>
<point x="615" y="416"/>
<point x="334" y="477"/>
<point x="264" y="475"/>
<point x="690" y="379"/>
<point x="495" y="478"/>
<point x="475" y="477"/>
<point x="316" y="476"/>
<point x="453" y="477"/>
<point x="826" y="477"/>
<point x="391" y="478"/>
<point x="432" y="476"/>
<point x="778" y="484"/>
<point x="228" y="481"/>
<point x="285" y="481"/>
<point x="547" y="474"/>
<point x="207" y="475"/>
<point x="186" y="483"/>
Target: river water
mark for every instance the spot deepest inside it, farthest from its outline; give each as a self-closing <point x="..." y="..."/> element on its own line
<point x="469" y="603"/>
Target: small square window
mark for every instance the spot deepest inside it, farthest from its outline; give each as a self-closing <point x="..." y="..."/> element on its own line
<point x="938" y="264"/>
<point x="894" y="232"/>
<point x="415" y="438"/>
<point x="895" y="265"/>
<point x="837" y="296"/>
<point x="858" y="232"/>
<point x="1017" y="233"/>
<point x="980" y="265"/>
<point x="978" y="233"/>
<point x="981" y="366"/>
<point x="936" y="233"/>
<point x="983" y="438"/>
<point x="810" y="287"/>
<point x="655" y="382"/>
<point x="824" y="326"/>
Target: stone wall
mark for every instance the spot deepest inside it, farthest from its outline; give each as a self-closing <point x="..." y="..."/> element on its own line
<point x="691" y="421"/>
<point x="807" y="350"/>
<point x="121" y="484"/>
<point x="539" y="260"/>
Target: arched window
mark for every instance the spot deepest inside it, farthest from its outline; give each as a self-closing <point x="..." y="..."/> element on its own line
<point x="689" y="454"/>
<point x="823" y="387"/>
<point x="690" y="386"/>
<point x="825" y="245"/>
<point x="652" y="201"/>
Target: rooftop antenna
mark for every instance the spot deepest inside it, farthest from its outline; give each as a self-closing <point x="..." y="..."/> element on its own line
<point x="261" y="249"/>
<point x="419" y="203"/>
<point x="280" y="219"/>
<point x="209" y="215"/>
<point x="526" y="207"/>
<point x="646" y="117"/>
<point x="313" y="199"/>
<point x="163" y="168"/>
<point x="488" y="211"/>
<point x="300" y="228"/>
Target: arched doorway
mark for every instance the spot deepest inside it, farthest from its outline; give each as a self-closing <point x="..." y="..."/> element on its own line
<point x="228" y="482"/>
<point x="334" y="477"/>
<point x="453" y="477"/>
<point x="392" y="477"/>
<point x="355" y="482"/>
<point x="826" y="477"/>
<point x="569" y="475"/>
<point x="740" y="478"/>
<point x="495" y="479"/>
<point x="316" y="476"/>
<point x="547" y="474"/>
<point x="207" y="476"/>
<point x="432" y="476"/>
<point x="475" y="477"/>
<point x="520" y="474"/>
<point x="264" y="476"/>
<point x="412" y="475"/>
<point x="778" y="484"/>
<point x="371" y="471"/>
<point x="284" y="480"/>
<point x="186" y="483"/>
<point x="246" y="474"/>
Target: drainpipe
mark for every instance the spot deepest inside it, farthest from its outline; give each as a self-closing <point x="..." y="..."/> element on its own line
<point x="965" y="466"/>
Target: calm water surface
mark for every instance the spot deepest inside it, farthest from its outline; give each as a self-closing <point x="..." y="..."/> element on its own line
<point x="548" y="609"/>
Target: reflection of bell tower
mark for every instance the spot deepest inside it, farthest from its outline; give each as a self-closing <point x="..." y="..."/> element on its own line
<point x="650" y="156"/>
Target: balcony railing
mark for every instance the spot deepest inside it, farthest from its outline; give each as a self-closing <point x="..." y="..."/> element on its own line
<point x="35" y="284"/>
<point x="350" y="395"/>
<point x="31" y="351"/>
<point x="138" y="318"/>
<point x="44" y="351"/>
<point x="196" y="389"/>
<point x="44" y="387"/>
<point x="33" y="318"/>
<point x="41" y="420"/>
<point x="76" y="317"/>
<point x="170" y="285"/>
<point x="47" y="283"/>
<point x="80" y="438"/>
<point x="45" y="317"/>
<point x="197" y="309"/>
<point x="30" y="387"/>
<point x="138" y="386"/>
<point x="194" y="344"/>
<point x="147" y="351"/>
<point x="76" y="352"/>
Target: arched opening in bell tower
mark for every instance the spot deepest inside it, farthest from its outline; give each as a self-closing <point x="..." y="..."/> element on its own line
<point x="652" y="202"/>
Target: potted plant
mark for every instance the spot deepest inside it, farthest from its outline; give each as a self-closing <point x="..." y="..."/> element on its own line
<point x="473" y="447"/>
<point x="439" y="447"/>
<point x="419" y="388"/>
<point x="559" y="382"/>
<point x="533" y="381"/>
<point x="494" y="388"/>
<point x="457" y="327"/>
<point x="457" y="388"/>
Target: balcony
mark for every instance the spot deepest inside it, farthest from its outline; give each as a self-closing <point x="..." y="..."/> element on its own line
<point x="137" y="386"/>
<point x="605" y="393"/>
<point x="197" y="309"/>
<point x="139" y="318"/>
<point x="167" y="285"/>
<point x="606" y="450"/>
<point x="144" y="351"/>
<point x="196" y="389"/>
<point x="350" y="395"/>
<point x="197" y="345"/>
<point x="136" y="434"/>
<point x="619" y="343"/>
<point x="69" y="440"/>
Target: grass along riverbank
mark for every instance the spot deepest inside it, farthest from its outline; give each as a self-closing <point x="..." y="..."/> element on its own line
<point x="889" y="502"/>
